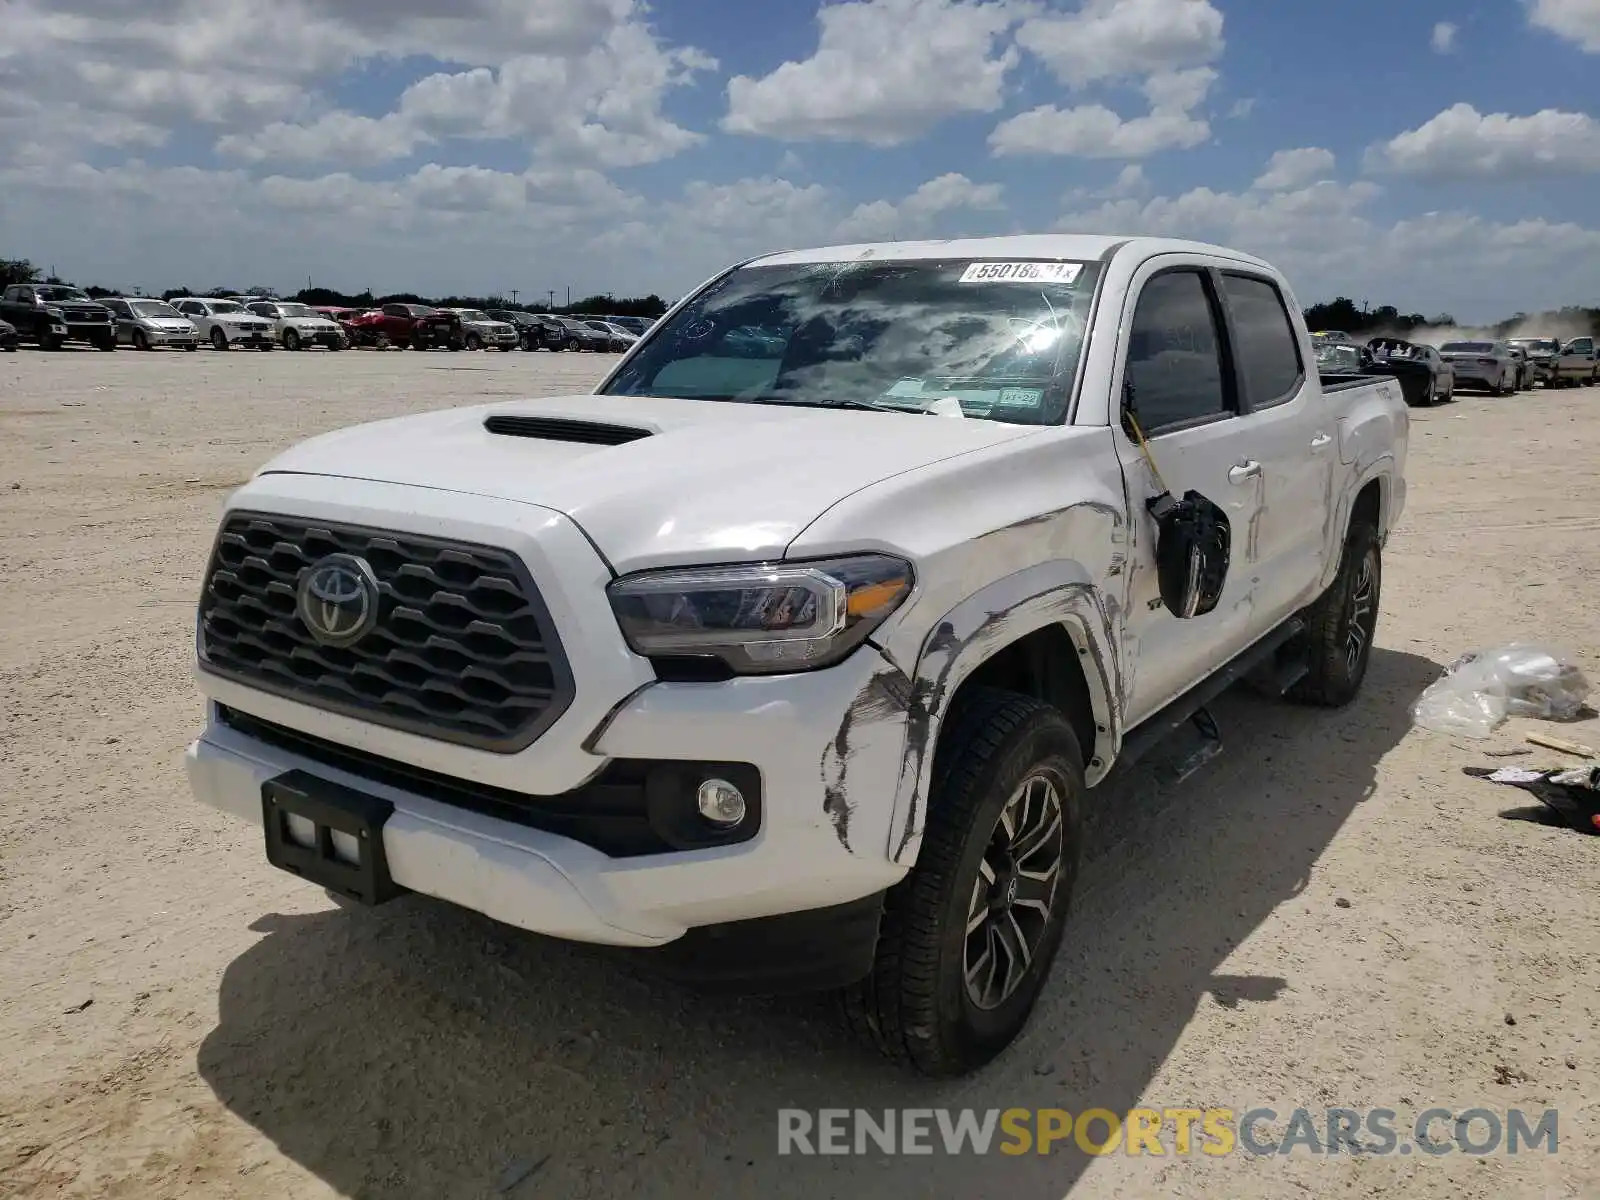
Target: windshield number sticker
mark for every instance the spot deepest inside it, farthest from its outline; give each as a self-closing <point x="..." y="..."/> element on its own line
<point x="1021" y="272"/>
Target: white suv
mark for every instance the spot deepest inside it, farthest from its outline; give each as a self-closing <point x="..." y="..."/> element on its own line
<point x="299" y="326"/>
<point x="226" y="323"/>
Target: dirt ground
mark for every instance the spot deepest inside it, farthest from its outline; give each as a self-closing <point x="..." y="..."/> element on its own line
<point x="1329" y="914"/>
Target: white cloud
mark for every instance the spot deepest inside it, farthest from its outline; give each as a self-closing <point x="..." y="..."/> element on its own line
<point x="915" y="215"/>
<point x="1289" y="169"/>
<point x="1578" y="21"/>
<point x="335" y="137"/>
<point x="1094" y="131"/>
<point x="884" y="72"/>
<point x="1462" y="143"/>
<point x="1110" y="39"/>
<point x="1164" y="43"/>
<point x="578" y="80"/>
<point x="1242" y="108"/>
<point x="1326" y="239"/>
<point x="1444" y="37"/>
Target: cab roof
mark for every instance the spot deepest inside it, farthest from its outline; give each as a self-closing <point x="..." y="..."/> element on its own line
<point x="1073" y="247"/>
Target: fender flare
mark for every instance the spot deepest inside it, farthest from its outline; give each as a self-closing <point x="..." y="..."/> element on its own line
<point x="1380" y="470"/>
<point x="1056" y="593"/>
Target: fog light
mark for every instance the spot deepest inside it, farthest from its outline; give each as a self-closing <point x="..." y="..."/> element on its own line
<point x="720" y="802"/>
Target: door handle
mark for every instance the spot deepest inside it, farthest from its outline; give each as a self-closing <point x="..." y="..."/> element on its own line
<point x="1320" y="442"/>
<point x="1244" y="472"/>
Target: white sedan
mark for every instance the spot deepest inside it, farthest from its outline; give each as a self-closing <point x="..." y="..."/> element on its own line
<point x="1484" y="364"/>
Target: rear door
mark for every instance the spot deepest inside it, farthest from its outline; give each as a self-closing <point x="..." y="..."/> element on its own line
<point x="1287" y="440"/>
<point x="1176" y="379"/>
<point x="1579" y="359"/>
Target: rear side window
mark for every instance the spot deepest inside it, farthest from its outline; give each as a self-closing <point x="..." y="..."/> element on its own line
<point x="1268" y="352"/>
<point x="1174" y="357"/>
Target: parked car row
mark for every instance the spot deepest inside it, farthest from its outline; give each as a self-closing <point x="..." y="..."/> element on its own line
<point x="1430" y="375"/>
<point x="51" y="315"/>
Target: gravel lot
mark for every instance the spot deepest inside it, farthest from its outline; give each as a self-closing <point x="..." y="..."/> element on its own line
<point x="1330" y="914"/>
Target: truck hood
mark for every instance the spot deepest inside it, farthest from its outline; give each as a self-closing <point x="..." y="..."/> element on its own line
<point x="706" y="482"/>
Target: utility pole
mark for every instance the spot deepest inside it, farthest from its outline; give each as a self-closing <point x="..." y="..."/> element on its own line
<point x="513" y="297"/>
<point x="552" y="298"/>
<point x="569" y="296"/>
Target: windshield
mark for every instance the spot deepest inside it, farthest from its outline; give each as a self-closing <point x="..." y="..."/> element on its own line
<point x="472" y="314"/>
<point x="297" y="310"/>
<point x="1548" y="344"/>
<point x="1467" y="347"/>
<point x="1333" y="358"/>
<point x="225" y="306"/>
<point x="62" y="293"/>
<point x="998" y="341"/>
<point x="154" y="308"/>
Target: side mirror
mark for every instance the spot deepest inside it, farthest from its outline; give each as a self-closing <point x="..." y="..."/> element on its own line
<point x="1193" y="550"/>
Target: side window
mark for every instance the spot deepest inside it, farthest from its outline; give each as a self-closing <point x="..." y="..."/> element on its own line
<point x="263" y="310"/>
<point x="395" y="310"/>
<point x="1583" y="345"/>
<point x="1267" y="349"/>
<point x="1174" y="357"/>
<point x="119" y="308"/>
<point x="13" y="294"/>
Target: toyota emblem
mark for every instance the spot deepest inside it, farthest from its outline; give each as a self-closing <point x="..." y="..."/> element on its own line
<point x="338" y="599"/>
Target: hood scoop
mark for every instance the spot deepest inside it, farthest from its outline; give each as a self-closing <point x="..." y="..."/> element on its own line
<point x="564" y="429"/>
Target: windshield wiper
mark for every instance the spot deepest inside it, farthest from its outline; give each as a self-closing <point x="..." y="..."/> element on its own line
<point x="860" y="405"/>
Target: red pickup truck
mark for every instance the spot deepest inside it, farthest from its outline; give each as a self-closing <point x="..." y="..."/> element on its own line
<point x="411" y="325"/>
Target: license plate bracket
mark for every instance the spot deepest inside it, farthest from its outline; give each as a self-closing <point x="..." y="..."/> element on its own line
<point x="330" y="808"/>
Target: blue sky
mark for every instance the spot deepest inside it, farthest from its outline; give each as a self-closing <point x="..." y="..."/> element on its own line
<point x="1438" y="156"/>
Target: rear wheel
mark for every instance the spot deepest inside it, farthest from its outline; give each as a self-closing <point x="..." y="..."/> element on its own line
<point x="1341" y="625"/>
<point x="968" y="936"/>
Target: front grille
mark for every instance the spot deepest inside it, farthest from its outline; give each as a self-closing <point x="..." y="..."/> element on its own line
<point x="463" y="648"/>
<point x="86" y="315"/>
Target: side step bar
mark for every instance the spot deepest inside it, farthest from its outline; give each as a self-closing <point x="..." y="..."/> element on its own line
<point x="1151" y="732"/>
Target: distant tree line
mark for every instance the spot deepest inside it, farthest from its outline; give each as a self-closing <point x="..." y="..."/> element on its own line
<point x="1344" y="315"/>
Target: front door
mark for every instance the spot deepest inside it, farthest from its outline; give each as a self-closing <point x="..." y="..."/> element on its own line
<point x="1187" y="405"/>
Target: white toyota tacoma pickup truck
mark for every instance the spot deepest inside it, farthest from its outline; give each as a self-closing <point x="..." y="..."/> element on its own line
<point x="790" y="655"/>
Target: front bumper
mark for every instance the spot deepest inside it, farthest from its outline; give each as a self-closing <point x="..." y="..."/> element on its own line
<point x="173" y="337"/>
<point x="828" y="773"/>
<point x="87" y="331"/>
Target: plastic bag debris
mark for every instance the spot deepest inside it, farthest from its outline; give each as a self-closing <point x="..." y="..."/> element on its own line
<point x="1480" y="690"/>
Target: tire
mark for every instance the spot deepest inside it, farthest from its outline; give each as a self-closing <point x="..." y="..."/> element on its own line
<point x="140" y="341"/>
<point x="1340" y="626"/>
<point x="219" y="340"/>
<point x="474" y="342"/>
<point x="291" y="340"/>
<point x="339" y="345"/>
<point x="918" y="1006"/>
<point x="191" y="347"/>
<point x="572" y="344"/>
<point x="106" y="344"/>
<point x="46" y="342"/>
<point x="506" y="349"/>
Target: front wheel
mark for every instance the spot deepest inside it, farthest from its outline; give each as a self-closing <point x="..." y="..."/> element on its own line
<point x="474" y="342"/>
<point x="106" y="343"/>
<point x="1341" y="625"/>
<point x="968" y="936"/>
<point x="219" y="340"/>
<point x="291" y="340"/>
<point x="140" y="341"/>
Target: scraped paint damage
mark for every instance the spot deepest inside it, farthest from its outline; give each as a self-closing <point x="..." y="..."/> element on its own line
<point x="886" y="696"/>
<point x="1077" y="604"/>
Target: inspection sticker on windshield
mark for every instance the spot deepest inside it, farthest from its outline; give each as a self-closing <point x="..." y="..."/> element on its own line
<point x="1021" y="272"/>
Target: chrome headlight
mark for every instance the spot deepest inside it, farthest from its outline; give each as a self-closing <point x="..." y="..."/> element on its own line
<point x="761" y="618"/>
